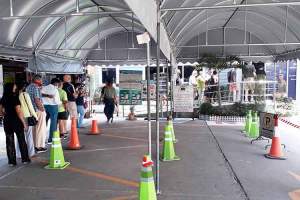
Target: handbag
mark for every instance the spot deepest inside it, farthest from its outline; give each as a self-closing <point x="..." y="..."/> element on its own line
<point x="31" y="121"/>
<point x="85" y="105"/>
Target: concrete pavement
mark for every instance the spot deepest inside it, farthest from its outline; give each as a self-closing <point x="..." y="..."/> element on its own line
<point x="108" y="167"/>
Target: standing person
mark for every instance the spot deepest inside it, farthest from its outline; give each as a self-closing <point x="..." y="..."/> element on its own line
<point x="212" y="82"/>
<point x="282" y="88"/>
<point x="200" y="85"/>
<point x="109" y="96"/>
<point x="39" y="131"/>
<point x="72" y="95"/>
<point x="249" y="74"/>
<point x="14" y="123"/>
<point x="63" y="115"/>
<point x="80" y="104"/>
<point x="28" y="111"/>
<point x="51" y="101"/>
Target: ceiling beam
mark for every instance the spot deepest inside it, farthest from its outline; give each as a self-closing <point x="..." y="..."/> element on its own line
<point x="75" y="14"/>
<point x="232" y="6"/>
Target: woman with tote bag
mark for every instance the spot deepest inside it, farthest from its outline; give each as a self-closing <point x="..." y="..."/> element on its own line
<point x="30" y="116"/>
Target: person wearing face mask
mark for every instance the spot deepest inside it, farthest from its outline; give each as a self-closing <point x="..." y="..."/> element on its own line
<point x="39" y="131"/>
<point x="51" y="100"/>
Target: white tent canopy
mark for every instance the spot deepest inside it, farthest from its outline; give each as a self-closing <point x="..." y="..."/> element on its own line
<point x="189" y="28"/>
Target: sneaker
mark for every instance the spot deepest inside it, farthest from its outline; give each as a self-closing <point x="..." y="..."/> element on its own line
<point x="26" y="162"/>
<point x="41" y="150"/>
<point x="49" y="142"/>
<point x="12" y="164"/>
<point x="63" y="136"/>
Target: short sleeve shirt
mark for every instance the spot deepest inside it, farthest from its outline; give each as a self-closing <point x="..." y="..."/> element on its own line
<point x="260" y="68"/>
<point x="109" y="92"/>
<point x="63" y="97"/>
<point x="9" y="104"/>
<point x="34" y="92"/>
<point x="69" y="89"/>
<point x="248" y="71"/>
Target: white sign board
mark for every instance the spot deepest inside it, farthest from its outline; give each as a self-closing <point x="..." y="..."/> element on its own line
<point x="267" y="125"/>
<point x="183" y="98"/>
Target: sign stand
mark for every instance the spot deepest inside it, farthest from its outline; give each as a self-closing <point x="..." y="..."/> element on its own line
<point x="266" y="128"/>
<point x="260" y="138"/>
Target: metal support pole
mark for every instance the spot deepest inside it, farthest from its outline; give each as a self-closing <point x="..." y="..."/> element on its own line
<point x="77" y="6"/>
<point x="249" y="47"/>
<point x="132" y="31"/>
<point x="286" y="23"/>
<point x="206" y="33"/>
<point x="224" y="40"/>
<point x="11" y="8"/>
<point x="274" y="86"/>
<point x="65" y="32"/>
<point x="98" y="26"/>
<point x="245" y="25"/>
<point x="157" y="99"/>
<point x="167" y="89"/>
<point x="32" y="40"/>
<point x="105" y="57"/>
<point x="171" y="88"/>
<point x="149" y="100"/>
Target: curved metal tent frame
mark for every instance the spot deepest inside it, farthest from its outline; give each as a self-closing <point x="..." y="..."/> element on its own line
<point x="276" y="24"/>
<point x="183" y="20"/>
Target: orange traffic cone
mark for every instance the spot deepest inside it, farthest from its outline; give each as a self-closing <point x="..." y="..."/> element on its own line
<point x="74" y="143"/>
<point x="275" y="151"/>
<point x="94" y="128"/>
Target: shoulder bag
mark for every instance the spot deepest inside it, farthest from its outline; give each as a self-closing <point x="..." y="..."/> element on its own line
<point x="31" y="121"/>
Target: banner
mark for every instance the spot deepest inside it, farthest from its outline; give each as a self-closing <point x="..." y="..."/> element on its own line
<point x="131" y="87"/>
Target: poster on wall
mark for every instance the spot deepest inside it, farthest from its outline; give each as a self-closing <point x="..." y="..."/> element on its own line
<point x="152" y="90"/>
<point x="183" y="98"/>
<point x="292" y="75"/>
<point x="281" y="68"/>
<point x="131" y="87"/>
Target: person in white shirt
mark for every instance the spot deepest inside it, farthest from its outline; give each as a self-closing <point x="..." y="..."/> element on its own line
<point x="51" y="101"/>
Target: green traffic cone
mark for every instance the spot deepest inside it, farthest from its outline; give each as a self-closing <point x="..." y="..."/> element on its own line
<point x="254" y="129"/>
<point x="168" y="149"/>
<point x="147" y="187"/>
<point x="248" y="122"/>
<point x="170" y="123"/>
<point x="57" y="160"/>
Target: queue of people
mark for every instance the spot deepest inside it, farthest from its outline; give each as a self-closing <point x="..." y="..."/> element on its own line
<point x="26" y="110"/>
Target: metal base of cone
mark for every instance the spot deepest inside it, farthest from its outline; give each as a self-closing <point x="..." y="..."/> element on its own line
<point x="61" y="167"/>
<point x="174" y="159"/>
<point x="274" y="158"/>
<point x="73" y="148"/>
